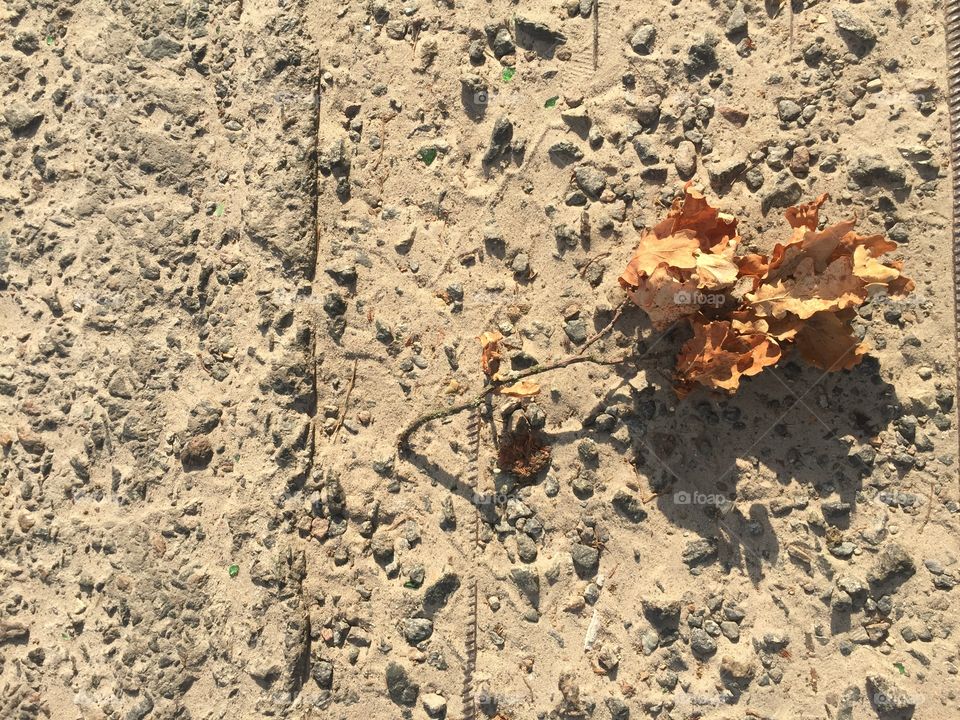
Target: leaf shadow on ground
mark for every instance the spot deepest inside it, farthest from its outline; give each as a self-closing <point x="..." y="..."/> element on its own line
<point x="792" y="440"/>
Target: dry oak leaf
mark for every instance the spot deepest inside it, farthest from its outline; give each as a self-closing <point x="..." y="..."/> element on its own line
<point x="490" y="354"/>
<point x="716" y="230"/>
<point x="715" y="271"/>
<point x="806" y="215"/>
<point x="521" y="389"/>
<point x="664" y="297"/>
<point x="717" y="357"/>
<point x="676" y="250"/>
<point x="807" y="292"/>
<point x="871" y="270"/>
<point x="826" y="341"/>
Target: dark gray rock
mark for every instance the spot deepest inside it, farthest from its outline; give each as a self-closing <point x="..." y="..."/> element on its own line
<point x="591" y="180"/>
<point x="565" y="152"/>
<point x="643" y="39"/>
<point x="785" y="193"/>
<point x="893" y="565"/>
<point x="499" y="140"/>
<point x="736" y="26"/>
<point x="701" y="643"/>
<point x="440" y="592"/>
<point x="699" y="552"/>
<point x="874" y="171"/>
<point x="401" y="689"/>
<point x="888" y="700"/>
<point x="416" y="630"/>
<point x="528" y="582"/>
<point x="160" y="47"/>
<point x="503" y="44"/>
<point x="629" y="505"/>
<point x="788" y="110"/>
<point x="586" y="560"/>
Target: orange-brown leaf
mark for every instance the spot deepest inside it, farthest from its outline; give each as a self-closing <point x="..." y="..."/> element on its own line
<point x="665" y="298"/>
<point x="676" y="251"/>
<point x="490" y="353"/>
<point x="808" y="292"/>
<point x="521" y="389"/>
<point x="826" y="341"/>
<point x="717" y="356"/>
<point x="806" y="215"/>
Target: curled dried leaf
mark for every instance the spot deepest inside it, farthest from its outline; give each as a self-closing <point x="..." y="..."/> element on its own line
<point x="490" y="353"/>
<point x="521" y="389"/>
<point x="826" y="341"/>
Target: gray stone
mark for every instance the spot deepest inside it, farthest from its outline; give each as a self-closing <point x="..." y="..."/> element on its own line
<point x="416" y="630"/>
<point x="576" y="330"/>
<point x="160" y="47"/>
<point x="698" y="552"/>
<point x="434" y="705"/>
<point x="565" y="152"/>
<point x="785" y="193"/>
<point x="440" y="592"/>
<point x="788" y="110"/>
<point x="402" y="690"/>
<point x="526" y="548"/>
<point x="643" y="38"/>
<point x="887" y="699"/>
<point x="893" y="564"/>
<point x="503" y="44"/>
<point x="499" y="139"/>
<point x="856" y="32"/>
<point x="343" y="273"/>
<point x="586" y="560"/>
<point x="701" y="643"/>
<point x="528" y="582"/>
<point x="21" y="118"/>
<point x="629" y="506"/>
<point x="723" y="174"/>
<point x="736" y="26"/>
<point x="536" y="31"/>
<point x="591" y="180"/>
<point x="685" y="160"/>
<point x="874" y="171"/>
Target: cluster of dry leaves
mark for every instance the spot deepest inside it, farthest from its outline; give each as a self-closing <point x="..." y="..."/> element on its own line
<point x="746" y="310"/>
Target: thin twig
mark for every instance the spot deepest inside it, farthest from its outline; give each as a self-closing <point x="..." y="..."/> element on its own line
<point x="926" y="518"/>
<point x="591" y="261"/>
<point x="607" y="328"/>
<point x="346" y="402"/>
<point x="494" y="386"/>
<point x="596" y="34"/>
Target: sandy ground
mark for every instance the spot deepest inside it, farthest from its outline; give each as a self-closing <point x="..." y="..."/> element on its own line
<point x="243" y="245"/>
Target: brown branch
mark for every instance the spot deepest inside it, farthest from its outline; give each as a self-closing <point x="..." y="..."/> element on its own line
<point x="403" y="441"/>
<point x="346" y="402"/>
<point x="607" y="328"/>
